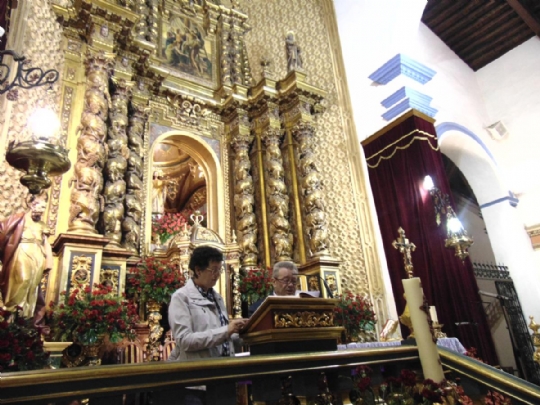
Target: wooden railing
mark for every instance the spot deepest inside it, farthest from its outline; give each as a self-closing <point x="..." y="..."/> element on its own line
<point x="164" y="382"/>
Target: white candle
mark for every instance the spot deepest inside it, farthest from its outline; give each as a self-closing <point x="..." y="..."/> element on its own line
<point x="427" y="349"/>
<point x="433" y="313"/>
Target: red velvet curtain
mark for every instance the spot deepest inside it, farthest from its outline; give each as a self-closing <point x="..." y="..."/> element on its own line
<point x="398" y="161"/>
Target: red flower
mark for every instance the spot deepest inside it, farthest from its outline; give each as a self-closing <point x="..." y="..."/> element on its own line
<point x="92" y="313"/>
<point x="154" y="279"/>
<point x="364" y="383"/>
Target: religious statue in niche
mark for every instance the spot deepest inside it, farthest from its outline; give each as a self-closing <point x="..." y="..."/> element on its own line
<point x="184" y="46"/>
<point x="159" y="192"/>
<point x="179" y="184"/>
<point x="294" y="53"/>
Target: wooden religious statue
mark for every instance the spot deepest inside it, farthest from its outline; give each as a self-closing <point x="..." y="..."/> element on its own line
<point x="26" y="254"/>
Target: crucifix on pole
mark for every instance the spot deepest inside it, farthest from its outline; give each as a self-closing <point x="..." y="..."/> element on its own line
<point x="405" y="247"/>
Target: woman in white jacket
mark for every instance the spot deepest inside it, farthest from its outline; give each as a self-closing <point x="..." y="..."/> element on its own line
<point x="197" y="314"/>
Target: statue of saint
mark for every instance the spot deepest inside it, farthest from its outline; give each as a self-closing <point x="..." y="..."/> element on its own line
<point x="294" y="53"/>
<point x="159" y="193"/>
<point x="26" y="254"/>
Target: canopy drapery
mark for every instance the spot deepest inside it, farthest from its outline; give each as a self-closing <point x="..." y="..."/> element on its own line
<point x="398" y="159"/>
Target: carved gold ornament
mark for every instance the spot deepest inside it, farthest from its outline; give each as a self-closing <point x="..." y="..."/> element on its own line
<point x="303" y="319"/>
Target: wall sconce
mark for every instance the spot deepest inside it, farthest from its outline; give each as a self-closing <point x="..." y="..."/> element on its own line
<point x="25" y="77"/>
<point x="43" y="155"/>
<point x="440" y="200"/>
<point x="457" y="236"/>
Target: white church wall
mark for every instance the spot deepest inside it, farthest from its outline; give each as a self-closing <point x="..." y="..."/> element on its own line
<point x="371" y="33"/>
<point x="510" y="87"/>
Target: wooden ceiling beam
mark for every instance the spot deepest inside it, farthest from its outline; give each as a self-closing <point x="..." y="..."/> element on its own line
<point x="456" y="21"/>
<point x="523" y="11"/>
<point x="481" y="56"/>
<point x="489" y="32"/>
<point x="439" y="12"/>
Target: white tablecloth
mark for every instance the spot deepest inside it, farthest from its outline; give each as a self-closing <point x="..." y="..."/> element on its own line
<point x="449" y="343"/>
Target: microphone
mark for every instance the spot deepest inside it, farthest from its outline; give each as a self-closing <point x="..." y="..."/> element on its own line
<point x="326" y="286"/>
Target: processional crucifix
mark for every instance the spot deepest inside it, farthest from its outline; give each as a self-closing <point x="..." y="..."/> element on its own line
<point x="405" y="248"/>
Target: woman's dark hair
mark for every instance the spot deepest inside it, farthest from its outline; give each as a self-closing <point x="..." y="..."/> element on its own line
<point x="202" y="256"/>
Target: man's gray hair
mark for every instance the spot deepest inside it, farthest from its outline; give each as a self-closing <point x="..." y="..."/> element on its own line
<point x="288" y="265"/>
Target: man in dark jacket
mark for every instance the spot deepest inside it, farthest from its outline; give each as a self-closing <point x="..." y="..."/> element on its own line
<point x="285" y="281"/>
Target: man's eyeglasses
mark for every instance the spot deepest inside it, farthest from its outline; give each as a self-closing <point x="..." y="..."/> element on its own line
<point x="287" y="281"/>
<point x="215" y="271"/>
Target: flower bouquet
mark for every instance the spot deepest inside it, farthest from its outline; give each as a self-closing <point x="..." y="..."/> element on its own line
<point x="167" y="225"/>
<point x="255" y="284"/>
<point x="21" y="347"/>
<point x="155" y="279"/>
<point x="87" y="316"/>
<point x="355" y="313"/>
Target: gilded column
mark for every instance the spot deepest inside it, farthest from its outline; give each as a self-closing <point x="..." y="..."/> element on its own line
<point x="276" y="195"/>
<point x="87" y="180"/>
<point x="315" y="221"/>
<point x="131" y="225"/>
<point x="141" y="28"/>
<point x="244" y="201"/>
<point x="226" y="49"/>
<point x="153" y="21"/>
<point x="236" y="56"/>
<point x="115" y="171"/>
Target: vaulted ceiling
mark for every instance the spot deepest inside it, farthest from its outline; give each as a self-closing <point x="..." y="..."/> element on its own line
<point x="480" y="31"/>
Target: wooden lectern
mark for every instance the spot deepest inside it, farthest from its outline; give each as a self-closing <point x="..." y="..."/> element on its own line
<point x="291" y="325"/>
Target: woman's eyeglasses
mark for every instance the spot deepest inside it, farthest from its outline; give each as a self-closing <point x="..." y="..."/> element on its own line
<point x="215" y="271"/>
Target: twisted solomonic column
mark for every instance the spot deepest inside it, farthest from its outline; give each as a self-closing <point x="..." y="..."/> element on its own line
<point x="87" y="180"/>
<point x="115" y="186"/>
<point x="276" y="194"/>
<point x="131" y="225"/>
<point x="246" y="222"/>
<point x="311" y="190"/>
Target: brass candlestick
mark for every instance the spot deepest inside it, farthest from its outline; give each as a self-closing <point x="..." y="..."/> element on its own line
<point x="39" y="160"/>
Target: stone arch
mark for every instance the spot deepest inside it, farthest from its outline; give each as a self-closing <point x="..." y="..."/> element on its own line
<point x="207" y="158"/>
<point x="509" y="240"/>
<point x="475" y="160"/>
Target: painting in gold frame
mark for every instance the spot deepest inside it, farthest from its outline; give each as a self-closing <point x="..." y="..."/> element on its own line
<point x="187" y="49"/>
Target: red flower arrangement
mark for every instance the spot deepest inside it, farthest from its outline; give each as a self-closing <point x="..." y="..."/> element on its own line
<point x="167" y="225"/>
<point x="256" y="284"/>
<point x="355" y="313"/>
<point x="88" y="315"/>
<point x="21" y="347"/>
<point x="155" y="279"/>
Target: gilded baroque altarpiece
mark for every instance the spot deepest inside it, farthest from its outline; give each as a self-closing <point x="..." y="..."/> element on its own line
<point x="275" y="144"/>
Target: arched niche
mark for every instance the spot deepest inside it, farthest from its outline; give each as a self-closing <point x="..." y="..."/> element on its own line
<point x="210" y="165"/>
<point x="507" y="235"/>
